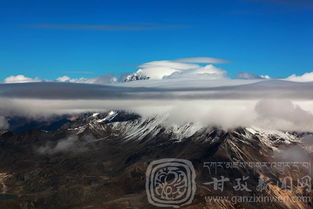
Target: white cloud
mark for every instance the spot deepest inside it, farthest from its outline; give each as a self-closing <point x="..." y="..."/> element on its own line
<point x="209" y="60"/>
<point x="158" y="70"/>
<point x="306" y="77"/>
<point x="76" y="80"/>
<point x="206" y="72"/>
<point x="284" y="114"/>
<point x="20" y="79"/>
<point x="277" y="114"/>
<point x="161" y="69"/>
<point x="292" y="154"/>
<point x="265" y="76"/>
<point x="106" y="79"/>
<point x="63" y="78"/>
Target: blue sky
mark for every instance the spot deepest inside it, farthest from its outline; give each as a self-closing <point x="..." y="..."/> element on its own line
<point x="48" y="39"/>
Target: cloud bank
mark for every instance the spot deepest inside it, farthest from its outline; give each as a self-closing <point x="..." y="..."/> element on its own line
<point x="272" y="104"/>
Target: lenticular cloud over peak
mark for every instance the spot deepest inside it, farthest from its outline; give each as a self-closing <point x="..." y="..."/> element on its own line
<point x="183" y="68"/>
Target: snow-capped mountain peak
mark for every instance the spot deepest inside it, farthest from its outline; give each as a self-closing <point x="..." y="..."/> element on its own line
<point x="139" y="75"/>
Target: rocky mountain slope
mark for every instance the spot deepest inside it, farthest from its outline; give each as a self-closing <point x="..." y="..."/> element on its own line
<point x="99" y="160"/>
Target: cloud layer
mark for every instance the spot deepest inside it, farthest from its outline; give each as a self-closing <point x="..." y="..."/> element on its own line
<point x="270" y="104"/>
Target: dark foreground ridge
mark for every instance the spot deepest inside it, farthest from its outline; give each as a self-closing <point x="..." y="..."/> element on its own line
<point x="99" y="160"/>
